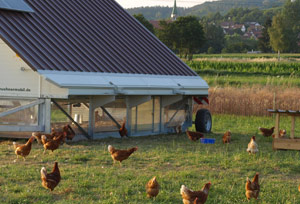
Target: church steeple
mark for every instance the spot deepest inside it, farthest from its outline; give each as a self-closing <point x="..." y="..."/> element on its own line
<point x="174" y="12"/>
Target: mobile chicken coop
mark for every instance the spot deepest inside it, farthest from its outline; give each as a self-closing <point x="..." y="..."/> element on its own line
<point x="96" y="64"/>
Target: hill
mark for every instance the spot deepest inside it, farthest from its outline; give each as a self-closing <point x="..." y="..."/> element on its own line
<point x="222" y="6"/>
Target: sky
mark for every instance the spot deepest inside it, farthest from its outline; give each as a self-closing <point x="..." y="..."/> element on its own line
<point x="170" y="3"/>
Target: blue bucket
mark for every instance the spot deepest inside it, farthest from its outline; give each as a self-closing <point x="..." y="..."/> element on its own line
<point x="207" y="140"/>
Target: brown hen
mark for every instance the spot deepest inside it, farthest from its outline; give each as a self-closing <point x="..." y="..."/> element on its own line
<point x="70" y="132"/>
<point x="189" y="196"/>
<point x="281" y="134"/>
<point x="51" y="180"/>
<point x="194" y="136"/>
<point x="252" y="188"/>
<point x="24" y="149"/>
<point x="52" y="144"/>
<point x="152" y="188"/>
<point x="266" y="132"/>
<point x="38" y="135"/>
<point x="227" y="137"/>
<point x="120" y="155"/>
<point x="123" y="131"/>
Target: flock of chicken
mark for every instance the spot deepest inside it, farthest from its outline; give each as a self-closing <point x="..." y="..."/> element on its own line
<point x="55" y="139"/>
<point x="50" y="142"/>
<point x="252" y="187"/>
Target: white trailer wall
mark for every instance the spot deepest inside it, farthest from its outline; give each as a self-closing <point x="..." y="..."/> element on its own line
<point x="18" y="80"/>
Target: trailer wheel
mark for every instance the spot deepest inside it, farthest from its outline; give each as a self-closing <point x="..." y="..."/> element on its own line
<point x="203" y="121"/>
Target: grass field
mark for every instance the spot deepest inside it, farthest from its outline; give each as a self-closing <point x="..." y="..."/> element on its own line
<point x="89" y="177"/>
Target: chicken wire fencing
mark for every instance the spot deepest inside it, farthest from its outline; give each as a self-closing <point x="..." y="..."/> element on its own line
<point x="28" y="116"/>
<point x="59" y="119"/>
<point x="106" y="118"/>
<point x="110" y="116"/>
<point x="146" y="116"/>
<point x="13" y="117"/>
<point x="175" y="114"/>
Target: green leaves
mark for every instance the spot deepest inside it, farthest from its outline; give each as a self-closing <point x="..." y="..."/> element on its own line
<point x="185" y="35"/>
<point x="285" y="28"/>
<point x="270" y="68"/>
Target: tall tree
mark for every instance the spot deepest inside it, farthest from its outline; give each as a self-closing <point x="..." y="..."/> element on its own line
<point x="184" y="35"/>
<point x="214" y="38"/>
<point x="285" y="28"/>
<point x="291" y="12"/>
<point x="167" y="34"/>
<point x="278" y="36"/>
<point x="144" y="21"/>
<point x="264" y="40"/>
<point x="190" y="35"/>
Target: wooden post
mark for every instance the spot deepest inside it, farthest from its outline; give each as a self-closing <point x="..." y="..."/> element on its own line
<point x="277" y="125"/>
<point x="293" y="127"/>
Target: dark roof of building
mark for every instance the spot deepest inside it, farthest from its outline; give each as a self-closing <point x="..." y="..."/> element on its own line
<point x="86" y="36"/>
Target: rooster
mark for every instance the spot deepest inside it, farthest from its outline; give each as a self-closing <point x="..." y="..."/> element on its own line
<point x="152" y="188"/>
<point x="227" y="137"/>
<point x="281" y="134"/>
<point x="194" y="136"/>
<point x="189" y="196"/>
<point x="252" y="188"/>
<point x="120" y="155"/>
<point x="252" y="146"/>
<point x="123" y="131"/>
<point x="51" y="180"/>
<point x="23" y="150"/>
<point x="266" y="132"/>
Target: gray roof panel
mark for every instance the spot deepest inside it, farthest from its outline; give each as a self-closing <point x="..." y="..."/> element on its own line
<point x="87" y="36"/>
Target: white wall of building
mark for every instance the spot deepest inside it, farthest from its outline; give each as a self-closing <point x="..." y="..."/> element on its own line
<point x="17" y="79"/>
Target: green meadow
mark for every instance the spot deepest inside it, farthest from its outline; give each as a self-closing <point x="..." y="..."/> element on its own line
<point x="88" y="175"/>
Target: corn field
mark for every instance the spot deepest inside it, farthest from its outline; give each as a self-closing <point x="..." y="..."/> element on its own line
<point x="266" y="68"/>
<point x="251" y="101"/>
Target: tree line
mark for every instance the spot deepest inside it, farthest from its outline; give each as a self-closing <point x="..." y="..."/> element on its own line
<point x="190" y="34"/>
